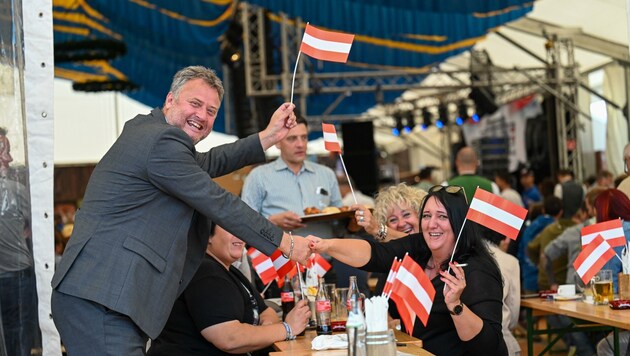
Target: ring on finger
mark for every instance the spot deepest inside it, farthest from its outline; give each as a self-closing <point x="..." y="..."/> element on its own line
<point x="361" y="219"/>
<point x="360" y="212"/>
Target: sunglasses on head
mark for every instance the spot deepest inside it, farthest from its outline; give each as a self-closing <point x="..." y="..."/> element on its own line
<point x="451" y="189"/>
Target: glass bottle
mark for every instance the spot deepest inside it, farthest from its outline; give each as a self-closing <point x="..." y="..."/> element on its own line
<point x="323" y="309"/>
<point x="355" y="328"/>
<point x="287" y="297"/>
<point x="354" y="294"/>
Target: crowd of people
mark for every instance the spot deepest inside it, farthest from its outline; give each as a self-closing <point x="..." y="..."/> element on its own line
<point x="153" y="256"/>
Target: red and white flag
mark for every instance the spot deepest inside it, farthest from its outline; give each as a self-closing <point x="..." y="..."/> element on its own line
<point x="263" y="265"/>
<point x="496" y="213"/>
<point x="318" y="265"/>
<point x="611" y="231"/>
<point x="331" y="141"/>
<point x="414" y="287"/>
<point x="391" y="276"/>
<point x="281" y="264"/>
<point x="592" y="258"/>
<point x="326" y="45"/>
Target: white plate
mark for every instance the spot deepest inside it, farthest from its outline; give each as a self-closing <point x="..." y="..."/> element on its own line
<point x="567" y="297"/>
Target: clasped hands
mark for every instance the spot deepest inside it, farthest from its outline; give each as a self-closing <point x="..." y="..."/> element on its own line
<point x="303" y="247"/>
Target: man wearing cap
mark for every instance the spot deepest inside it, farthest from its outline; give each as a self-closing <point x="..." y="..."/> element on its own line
<point x="530" y="193"/>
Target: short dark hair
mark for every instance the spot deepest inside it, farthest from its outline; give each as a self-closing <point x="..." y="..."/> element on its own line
<point x="299" y="119"/>
<point x="425" y="173"/>
<point x="504" y="176"/>
<point x="552" y="205"/>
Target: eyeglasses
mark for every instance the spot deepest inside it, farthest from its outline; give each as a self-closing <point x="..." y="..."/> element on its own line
<point x="451" y="189"/>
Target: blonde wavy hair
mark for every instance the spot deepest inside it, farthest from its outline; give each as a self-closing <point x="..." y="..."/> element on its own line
<point x="397" y="195"/>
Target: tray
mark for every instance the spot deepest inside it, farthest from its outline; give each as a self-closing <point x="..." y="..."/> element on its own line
<point x="328" y="217"/>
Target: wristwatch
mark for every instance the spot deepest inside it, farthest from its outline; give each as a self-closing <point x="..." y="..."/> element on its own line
<point x="458" y="309"/>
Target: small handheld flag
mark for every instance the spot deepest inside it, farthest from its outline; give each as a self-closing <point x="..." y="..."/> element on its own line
<point x="592" y="258"/>
<point x="611" y="231"/>
<point x="414" y="286"/>
<point x="496" y="213"/>
<point x="326" y="45"/>
<point x="323" y="45"/>
<point x="331" y="141"/>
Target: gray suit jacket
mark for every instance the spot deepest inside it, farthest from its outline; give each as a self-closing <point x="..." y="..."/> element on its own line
<point x="141" y="232"/>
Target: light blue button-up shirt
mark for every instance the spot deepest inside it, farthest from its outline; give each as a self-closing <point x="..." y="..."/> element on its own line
<point x="273" y="188"/>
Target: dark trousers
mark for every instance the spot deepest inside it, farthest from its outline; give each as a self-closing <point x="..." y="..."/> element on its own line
<point x="18" y="308"/>
<point x="89" y="328"/>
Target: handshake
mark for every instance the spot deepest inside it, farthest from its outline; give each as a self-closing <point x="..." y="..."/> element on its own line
<point x="299" y="248"/>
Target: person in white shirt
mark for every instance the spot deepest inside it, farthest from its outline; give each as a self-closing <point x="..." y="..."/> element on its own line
<point x="504" y="180"/>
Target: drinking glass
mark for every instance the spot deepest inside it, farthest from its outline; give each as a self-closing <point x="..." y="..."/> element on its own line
<point x="603" y="287"/>
<point x="340" y="314"/>
<point x="380" y="343"/>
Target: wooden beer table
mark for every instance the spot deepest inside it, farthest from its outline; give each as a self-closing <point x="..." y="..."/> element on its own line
<point x="302" y="346"/>
<point x="585" y="316"/>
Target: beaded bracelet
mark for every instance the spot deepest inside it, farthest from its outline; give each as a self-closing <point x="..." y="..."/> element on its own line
<point x="287" y="328"/>
<point x="288" y="257"/>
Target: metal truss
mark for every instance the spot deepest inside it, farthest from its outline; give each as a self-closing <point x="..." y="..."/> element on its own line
<point x="559" y="77"/>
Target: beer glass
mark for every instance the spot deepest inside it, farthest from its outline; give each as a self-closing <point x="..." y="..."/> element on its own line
<point x="603" y="287"/>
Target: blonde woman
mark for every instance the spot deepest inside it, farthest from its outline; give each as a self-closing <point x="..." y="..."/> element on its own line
<point x="396" y="213"/>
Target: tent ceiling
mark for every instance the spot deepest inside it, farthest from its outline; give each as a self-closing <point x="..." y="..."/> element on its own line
<point x="162" y="36"/>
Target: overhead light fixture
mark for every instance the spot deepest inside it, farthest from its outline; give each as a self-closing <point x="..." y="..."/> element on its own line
<point x="410" y="122"/>
<point x="427" y="118"/>
<point x="442" y="120"/>
<point x="462" y="113"/>
<point x="398" y="127"/>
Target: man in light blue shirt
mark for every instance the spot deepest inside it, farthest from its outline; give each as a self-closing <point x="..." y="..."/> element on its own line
<point x="282" y="189"/>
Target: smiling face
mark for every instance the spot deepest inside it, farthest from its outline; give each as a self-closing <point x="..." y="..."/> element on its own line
<point x="436" y="228"/>
<point x="403" y="218"/>
<point x="293" y="147"/>
<point x="193" y="109"/>
<point x="225" y="246"/>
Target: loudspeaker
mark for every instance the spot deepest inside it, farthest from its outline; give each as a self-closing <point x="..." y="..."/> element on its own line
<point x="359" y="155"/>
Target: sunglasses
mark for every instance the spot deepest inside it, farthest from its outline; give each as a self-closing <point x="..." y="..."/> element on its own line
<point x="451" y="189"/>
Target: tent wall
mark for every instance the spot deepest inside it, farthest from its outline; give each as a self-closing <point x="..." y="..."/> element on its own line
<point x="38" y="106"/>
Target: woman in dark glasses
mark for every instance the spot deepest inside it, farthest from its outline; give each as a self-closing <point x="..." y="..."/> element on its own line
<point x="465" y="318"/>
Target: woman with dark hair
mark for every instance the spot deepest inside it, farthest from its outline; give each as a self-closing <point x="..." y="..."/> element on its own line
<point x="614" y="204"/>
<point x="466" y="315"/>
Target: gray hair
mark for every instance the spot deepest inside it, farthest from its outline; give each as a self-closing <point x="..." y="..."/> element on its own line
<point x="196" y="72"/>
<point x="400" y="194"/>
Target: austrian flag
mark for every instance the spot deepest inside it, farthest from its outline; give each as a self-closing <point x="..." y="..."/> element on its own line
<point x="496" y="213"/>
<point x="415" y="288"/>
<point x="592" y="258"/>
<point x="326" y="45"/>
<point x="331" y="142"/>
<point x="263" y="265"/>
<point x="611" y="231"/>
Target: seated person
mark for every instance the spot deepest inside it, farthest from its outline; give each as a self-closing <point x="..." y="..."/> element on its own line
<point x="220" y="312"/>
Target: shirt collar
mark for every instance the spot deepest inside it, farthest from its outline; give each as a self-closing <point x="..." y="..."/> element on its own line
<point x="279" y="165"/>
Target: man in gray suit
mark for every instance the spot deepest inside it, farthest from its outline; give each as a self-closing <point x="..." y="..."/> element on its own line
<point x="141" y="232"/>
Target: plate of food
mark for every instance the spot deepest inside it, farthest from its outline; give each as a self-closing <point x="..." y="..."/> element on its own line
<point x="329" y="213"/>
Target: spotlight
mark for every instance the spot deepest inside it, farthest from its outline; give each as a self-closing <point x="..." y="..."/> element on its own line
<point x="442" y="120"/>
<point x="462" y="113"/>
<point x="426" y="118"/>
<point x="410" y="122"/>
<point x="398" y="128"/>
<point x="475" y="117"/>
